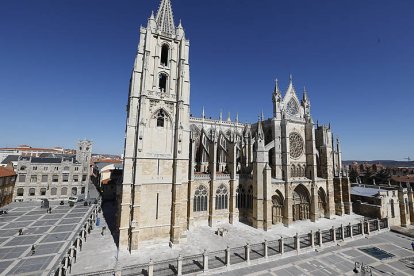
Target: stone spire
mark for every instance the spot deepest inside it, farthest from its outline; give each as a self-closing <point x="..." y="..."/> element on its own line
<point x="165" y="18"/>
<point x="291" y="88"/>
<point x="305" y="97"/>
<point x="260" y="133"/>
<point x="276" y="91"/>
<point x="276" y="99"/>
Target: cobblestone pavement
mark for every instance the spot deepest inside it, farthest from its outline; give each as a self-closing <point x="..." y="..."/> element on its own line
<point x="50" y="233"/>
<point x="340" y="260"/>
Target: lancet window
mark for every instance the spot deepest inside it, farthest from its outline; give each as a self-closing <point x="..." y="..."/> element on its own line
<point x="221" y="197"/>
<point x="200" y="199"/>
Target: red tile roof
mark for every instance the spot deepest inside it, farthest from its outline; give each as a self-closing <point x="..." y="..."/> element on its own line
<point x="6" y="172"/>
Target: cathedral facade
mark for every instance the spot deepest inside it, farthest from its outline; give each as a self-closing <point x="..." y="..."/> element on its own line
<point x="181" y="172"/>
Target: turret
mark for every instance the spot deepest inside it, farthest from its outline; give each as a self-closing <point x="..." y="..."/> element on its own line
<point x="306" y="103"/>
<point x="277" y="100"/>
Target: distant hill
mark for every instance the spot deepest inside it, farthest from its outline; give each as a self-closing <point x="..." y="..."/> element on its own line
<point x="386" y="163"/>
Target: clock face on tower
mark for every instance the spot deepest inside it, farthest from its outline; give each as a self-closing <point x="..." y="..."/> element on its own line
<point x="292" y="107"/>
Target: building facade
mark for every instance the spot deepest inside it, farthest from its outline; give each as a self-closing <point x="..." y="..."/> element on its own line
<point x="54" y="178"/>
<point x="7" y="182"/>
<point x="384" y="201"/>
<point x="181" y="171"/>
<point x="25" y="150"/>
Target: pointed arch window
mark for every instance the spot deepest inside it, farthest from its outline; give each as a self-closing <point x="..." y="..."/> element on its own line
<point x="200" y="199"/>
<point x="162" y="84"/>
<point x="221" y="197"/>
<point x="161" y="118"/>
<point x="164" y="54"/>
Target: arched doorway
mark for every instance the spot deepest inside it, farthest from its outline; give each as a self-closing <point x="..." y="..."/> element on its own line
<point x="277" y="208"/>
<point x="301" y="203"/>
<point x="322" y="203"/>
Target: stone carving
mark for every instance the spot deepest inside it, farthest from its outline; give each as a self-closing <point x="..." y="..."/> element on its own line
<point x="296" y="145"/>
<point x="292" y="107"/>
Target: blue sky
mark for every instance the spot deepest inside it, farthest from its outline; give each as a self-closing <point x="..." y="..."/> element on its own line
<point x="65" y="67"/>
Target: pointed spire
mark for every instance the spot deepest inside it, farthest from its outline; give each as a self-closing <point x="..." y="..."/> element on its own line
<point x="203" y="114"/>
<point x="228" y="117"/>
<point x="221" y="115"/>
<point x="262" y="116"/>
<point x="165" y="18"/>
<point x="152" y="17"/>
<point x="276" y="90"/>
<point x="291" y="88"/>
<point x="260" y="133"/>
<point x="305" y="95"/>
<point x="237" y="117"/>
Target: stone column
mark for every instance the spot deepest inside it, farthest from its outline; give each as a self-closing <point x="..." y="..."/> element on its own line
<point x="281" y="246"/>
<point x="362" y="225"/>
<point x="232" y="166"/>
<point x="266" y="249"/>
<point x="312" y="239"/>
<point x="342" y="232"/>
<point x="212" y="167"/>
<point x="190" y="217"/>
<point x="247" y="253"/>
<point x="205" y="260"/>
<point x="378" y="225"/>
<point x="351" y="231"/>
<point x="287" y="206"/>
<point x="320" y="241"/>
<point x="333" y="233"/>
<point x="180" y="265"/>
<point x="297" y="243"/>
<point x="151" y="268"/>
<point x="228" y="256"/>
<point x="314" y="214"/>
<point x="368" y="228"/>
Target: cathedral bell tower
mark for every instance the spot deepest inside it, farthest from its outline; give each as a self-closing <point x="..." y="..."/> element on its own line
<point x="157" y="135"/>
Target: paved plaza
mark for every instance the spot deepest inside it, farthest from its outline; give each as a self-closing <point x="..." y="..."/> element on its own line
<point x="340" y="260"/>
<point x="50" y="233"/>
<point x="100" y="252"/>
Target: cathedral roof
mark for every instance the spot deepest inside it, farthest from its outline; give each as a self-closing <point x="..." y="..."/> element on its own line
<point x="165" y="18"/>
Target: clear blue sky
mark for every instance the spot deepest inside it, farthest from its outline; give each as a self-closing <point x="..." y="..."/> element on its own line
<point x="65" y="67"/>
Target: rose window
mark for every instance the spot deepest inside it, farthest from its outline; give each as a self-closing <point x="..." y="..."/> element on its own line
<point x="296" y="145"/>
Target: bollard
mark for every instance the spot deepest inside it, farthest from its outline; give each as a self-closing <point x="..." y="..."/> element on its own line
<point x="362" y="225"/>
<point x="297" y="243"/>
<point x="368" y="228"/>
<point x="320" y="237"/>
<point x="312" y="239"/>
<point x="247" y="253"/>
<point x="378" y="225"/>
<point x="151" y="268"/>
<point x="281" y="246"/>
<point x="228" y="256"/>
<point x="205" y="260"/>
<point x="333" y="233"/>
<point x="265" y="249"/>
<point x="351" y="231"/>
<point x="342" y="232"/>
<point x="180" y="265"/>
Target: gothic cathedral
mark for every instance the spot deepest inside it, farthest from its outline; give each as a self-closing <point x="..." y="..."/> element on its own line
<point x="181" y="172"/>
